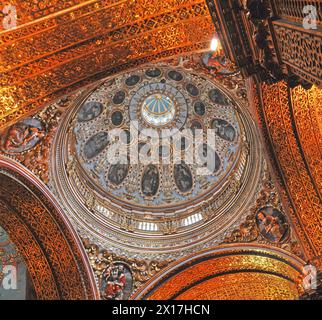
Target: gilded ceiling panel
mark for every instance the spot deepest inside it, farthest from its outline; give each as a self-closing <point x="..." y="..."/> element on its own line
<point x="292" y="153"/>
<point x="307" y="111"/>
<point x="228" y="273"/>
<point x="29" y="11"/>
<point x="40" y="61"/>
<point x="244" y="286"/>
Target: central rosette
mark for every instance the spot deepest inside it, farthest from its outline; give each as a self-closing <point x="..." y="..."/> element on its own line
<point x="158" y="109"/>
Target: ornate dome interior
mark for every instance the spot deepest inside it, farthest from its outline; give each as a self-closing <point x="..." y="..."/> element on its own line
<point x="160" y="150"/>
<point x="186" y="151"/>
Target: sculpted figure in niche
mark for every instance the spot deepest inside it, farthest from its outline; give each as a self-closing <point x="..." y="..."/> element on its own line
<point x="217" y="63"/>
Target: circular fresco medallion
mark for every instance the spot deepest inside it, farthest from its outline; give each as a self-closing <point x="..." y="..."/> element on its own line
<point x="272" y="224"/>
<point x="22" y="136"/>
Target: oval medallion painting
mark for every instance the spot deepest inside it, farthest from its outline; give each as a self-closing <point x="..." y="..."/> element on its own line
<point x="117" y="173"/>
<point x="89" y="111"/>
<point x="224" y="130"/>
<point x="95" y="145"/>
<point x="150" y="181"/>
<point x="117" y="282"/>
<point x="183" y="177"/>
<point x="272" y="224"/>
<point x="216" y="96"/>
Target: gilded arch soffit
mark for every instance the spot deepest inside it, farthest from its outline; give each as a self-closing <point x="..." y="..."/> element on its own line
<point x="249" y="272"/>
<point x="291" y="125"/>
<point x="32" y="221"/>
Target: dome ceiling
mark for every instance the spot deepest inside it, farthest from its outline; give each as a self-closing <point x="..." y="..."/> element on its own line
<point x="186" y="151"/>
<point x="157" y="99"/>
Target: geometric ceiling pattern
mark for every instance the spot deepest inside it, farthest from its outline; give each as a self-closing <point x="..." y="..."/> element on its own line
<point x="43" y="59"/>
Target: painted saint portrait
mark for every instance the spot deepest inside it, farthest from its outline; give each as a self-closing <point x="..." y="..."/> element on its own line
<point x="182" y="143"/>
<point x="272" y="224"/>
<point x="118" y="172"/>
<point x="192" y="89"/>
<point x="153" y="73"/>
<point x="119" y="97"/>
<point x="150" y="181"/>
<point x="22" y="136"/>
<point x="95" y="145"/>
<point x="183" y="177"/>
<point x="117" y="282"/>
<point x="216" y="96"/>
<point x="224" y="129"/>
<point x="175" y="75"/>
<point x="200" y="108"/>
<point x="195" y="125"/>
<point x="89" y="111"/>
<point x="117" y="118"/>
<point x="164" y="151"/>
<point x="132" y="80"/>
